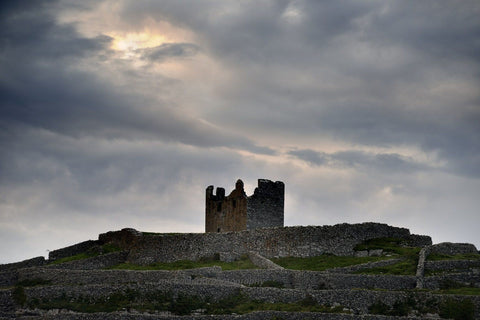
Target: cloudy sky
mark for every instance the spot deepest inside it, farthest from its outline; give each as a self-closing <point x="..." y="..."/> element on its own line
<point x="119" y="114"/>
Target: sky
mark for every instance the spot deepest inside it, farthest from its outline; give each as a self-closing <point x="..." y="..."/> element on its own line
<point x="119" y="114"/>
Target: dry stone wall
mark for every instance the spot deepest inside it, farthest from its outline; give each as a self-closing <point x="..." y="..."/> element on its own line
<point x="270" y="242"/>
<point x="34" y="262"/>
<point x="72" y="250"/>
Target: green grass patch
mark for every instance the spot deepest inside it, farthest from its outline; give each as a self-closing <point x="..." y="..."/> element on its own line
<point x="388" y="245"/>
<point x="405" y="267"/>
<point x="243" y="263"/>
<point x="467" y="291"/>
<point x="94" y="252"/>
<point x="19" y="296"/>
<point x="466" y="256"/>
<point x="457" y="310"/>
<point x="323" y="262"/>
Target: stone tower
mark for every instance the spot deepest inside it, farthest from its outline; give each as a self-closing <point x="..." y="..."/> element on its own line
<point x="236" y="212"/>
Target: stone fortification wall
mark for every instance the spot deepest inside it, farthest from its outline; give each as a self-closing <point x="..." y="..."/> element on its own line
<point x="34" y="262"/>
<point x="72" y="250"/>
<point x="266" y="206"/>
<point x="99" y="262"/>
<point x="450" y="248"/>
<point x="270" y="242"/>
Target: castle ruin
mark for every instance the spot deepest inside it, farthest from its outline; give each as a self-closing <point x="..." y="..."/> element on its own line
<point x="237" y="211"/>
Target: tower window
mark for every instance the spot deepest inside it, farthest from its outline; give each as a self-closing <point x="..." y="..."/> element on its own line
<point x="219" y="207"/>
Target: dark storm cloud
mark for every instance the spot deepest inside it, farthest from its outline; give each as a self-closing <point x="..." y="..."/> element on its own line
<point x="382" y="162"/>
<point x="94" y="136"/>
<point x="41" y="85"/>
<point x="373" y="72"/>
<point x="170" y="50"/>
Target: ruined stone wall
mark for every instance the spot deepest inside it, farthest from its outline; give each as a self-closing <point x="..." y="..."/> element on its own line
<point x="226" y="213"/>
<point x="237" y="212"/>
<point x="72" y="250"/>
<point x="34" y="262"/>
<point x="265" y="208"/>
<point x="270" y="242"/>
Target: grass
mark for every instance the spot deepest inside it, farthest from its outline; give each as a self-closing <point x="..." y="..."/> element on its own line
<point x="323" y="262"/>
<point x="243" y="263"/>
<point x="395" y="247"/>
<point x="405" y="267"/>
<point x="388" y="245"/>
<point x="466" y="256"/>
<point x="106" y="248"/>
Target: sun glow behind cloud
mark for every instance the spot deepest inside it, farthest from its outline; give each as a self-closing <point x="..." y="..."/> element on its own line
<point x="132" y="41"/>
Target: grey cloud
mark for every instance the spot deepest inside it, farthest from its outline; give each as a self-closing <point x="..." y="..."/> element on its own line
<point x="382" y="162"/>
<point x="41" y="86"/>
<point x="170" y="50"/>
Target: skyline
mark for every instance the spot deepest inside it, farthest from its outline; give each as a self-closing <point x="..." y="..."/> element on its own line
<point x="118" y="114"/>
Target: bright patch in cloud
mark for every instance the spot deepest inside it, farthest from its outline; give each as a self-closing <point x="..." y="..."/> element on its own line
<point x="136" y="40"/>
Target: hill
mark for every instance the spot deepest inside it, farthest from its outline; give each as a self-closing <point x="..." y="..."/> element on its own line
<point x="359" y="271"/>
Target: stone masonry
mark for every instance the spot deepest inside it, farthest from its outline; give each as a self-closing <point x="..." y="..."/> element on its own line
<point x="237" y="211"/>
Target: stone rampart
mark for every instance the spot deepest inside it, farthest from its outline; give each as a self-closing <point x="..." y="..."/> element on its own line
<point x="34" y="262"/>
<point x="72" y="250"/>
<point x="99" y="262"/>
<point x="270" y="242"/>
<point x="449" y="248"/>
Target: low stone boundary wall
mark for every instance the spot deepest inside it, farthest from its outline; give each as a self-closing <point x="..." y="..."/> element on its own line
<point x="313" y="280"/>
<point x="451" y="265"/>
<point x="465" y="279"/>
<point x="262" y="262"/>
<point x="356" y="300"/>
<point x="362" y="266"/>
<point x="7" y="306"/>
<point x="258" y="315"/>
<point x="305" y="280"/>
<point x="99" y="262"/>
<point x="8" y="278"/>
<point x="64" y="276"/>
